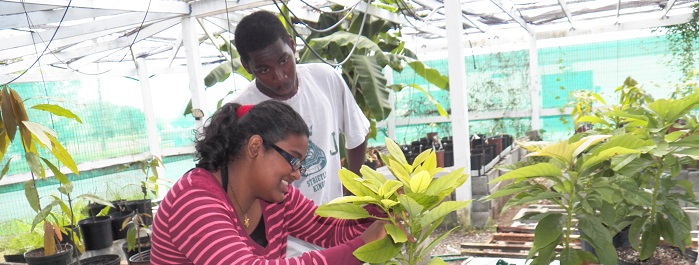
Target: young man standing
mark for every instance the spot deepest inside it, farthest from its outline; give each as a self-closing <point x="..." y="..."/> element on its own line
<point x="317" y="92"/>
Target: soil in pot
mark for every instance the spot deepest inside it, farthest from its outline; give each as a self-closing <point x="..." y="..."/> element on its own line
<point x="62" y="256"/>
<point x="142" y="258"/>
<point x="100" y="260"/>
<point x="96" y="232"/>
<point x="143" y="242"/>
<point x="664" y="255"/>
<point x="117" y="223"/>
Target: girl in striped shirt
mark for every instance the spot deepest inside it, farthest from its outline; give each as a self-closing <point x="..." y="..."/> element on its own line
<point x="238" y="205"/>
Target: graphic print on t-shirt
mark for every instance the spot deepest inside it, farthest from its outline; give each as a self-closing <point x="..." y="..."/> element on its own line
<point x="315" y="164"/>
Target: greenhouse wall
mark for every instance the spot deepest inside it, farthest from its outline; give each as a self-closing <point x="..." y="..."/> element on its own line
<point x="113" y="123"/>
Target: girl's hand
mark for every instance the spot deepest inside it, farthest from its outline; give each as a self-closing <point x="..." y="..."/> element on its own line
<point x="374" y="232"/>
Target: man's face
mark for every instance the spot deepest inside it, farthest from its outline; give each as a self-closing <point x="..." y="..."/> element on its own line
<point x="274" y="68"/>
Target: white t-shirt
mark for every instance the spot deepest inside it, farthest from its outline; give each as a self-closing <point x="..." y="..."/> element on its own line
<point x="328" y="107"/>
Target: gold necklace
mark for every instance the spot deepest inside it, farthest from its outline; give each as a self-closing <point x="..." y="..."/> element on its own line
<point x="246" y="220"/>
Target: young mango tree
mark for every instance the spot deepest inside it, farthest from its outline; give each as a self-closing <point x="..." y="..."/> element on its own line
<point x="413" y="203"/>
<point x="34" y="137"/>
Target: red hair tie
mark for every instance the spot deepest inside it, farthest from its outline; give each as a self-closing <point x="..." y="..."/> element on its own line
<point x="243" y="109"/>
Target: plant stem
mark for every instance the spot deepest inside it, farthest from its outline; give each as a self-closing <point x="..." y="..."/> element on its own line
<point x="656" y="188"/>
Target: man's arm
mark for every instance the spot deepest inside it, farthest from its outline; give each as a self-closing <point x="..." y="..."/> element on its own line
<point x="355" y="160"/>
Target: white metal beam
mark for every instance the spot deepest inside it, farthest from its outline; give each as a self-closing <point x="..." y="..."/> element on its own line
<point x="564" y="7"/>
<point x="510" y="10"/>
<point x="51" y="16"/>
<point x="148" y="111"/>
<point x="7" y="8"/>
<point x="196" y="75"/>
<point x="152" y="6"/>
<point x="534" y="84"/>
<point x="123" y="20"/>
<point x="668" y="6"/>
<point x="98" y="48"/>
<point x="205" y="8"/>
<point x="459" y="100"/>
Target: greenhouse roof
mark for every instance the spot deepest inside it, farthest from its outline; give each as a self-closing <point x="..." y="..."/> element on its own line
<point x="71" y="36"/>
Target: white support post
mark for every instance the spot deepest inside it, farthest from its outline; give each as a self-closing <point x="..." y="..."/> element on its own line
<point x="148" y="112"/>
<point x="534" y="82"/>
<point x="194" y="68"/>
<point x="459" y="99"/>
<point x="391" y="120"/>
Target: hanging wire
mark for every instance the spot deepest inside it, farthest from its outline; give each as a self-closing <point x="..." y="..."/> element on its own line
<point x="361" y="29"/>
<point x="332" y="12"/>
<point x="351" y="9"/>
<point x="47" y="45"/>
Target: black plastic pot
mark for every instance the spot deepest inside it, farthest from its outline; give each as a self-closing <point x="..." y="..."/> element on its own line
<point x="143" y="206"/>
<point x="144" y="242"/>
<point x="142" y="258"/>
<point x="100" y="260"/>
<point x="36" y="257"/>
<point x="16" y="258"/>
<point x="118" y="219"/>
<point x="97" y="233"/>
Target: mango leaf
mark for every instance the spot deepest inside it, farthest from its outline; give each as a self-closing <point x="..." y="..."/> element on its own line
<point x="396" y="233"/>
<point x="378" y="251"/>
<point x="442" y="210"/>
<point x="40" y="132"/>
<point x="5" y="168"/>
<point x="32" y="195"/>
<point x="66" y="189"/>
<point x="537" y="170"/>
<point x="131" y="238"/>
<point x="34" y="165"/>
<point x="95" y="199"/>
<point x="58" y="111"/>
<point x="41" y="215"/>
<point x="49" y="244"/>
<point x="56" y="172"/>
<point x="63" y="156"/>
<point x="8" y="116"/>
<point x="20" y="114"/>
<point x="342" y="211"/>
<point x="606" y="155"/>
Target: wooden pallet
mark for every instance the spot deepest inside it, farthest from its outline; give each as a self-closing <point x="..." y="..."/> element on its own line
<point x="507" y="242"/>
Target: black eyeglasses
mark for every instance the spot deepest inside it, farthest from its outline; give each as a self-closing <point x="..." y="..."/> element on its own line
<point x="295" y="163"/>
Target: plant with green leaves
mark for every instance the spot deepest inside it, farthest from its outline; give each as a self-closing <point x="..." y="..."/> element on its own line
<point x="413" y="203"/>
<point x="19" y="238"/>
<point x="621" y="174"/>
<point x="33" y="138"/>
<point x="135" y="231"/>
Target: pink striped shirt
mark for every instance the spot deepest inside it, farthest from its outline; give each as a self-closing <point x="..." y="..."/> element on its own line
<point x="195" y="224"/>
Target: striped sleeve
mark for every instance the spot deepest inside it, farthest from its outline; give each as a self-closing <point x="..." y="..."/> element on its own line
<point x="200" y="229"/>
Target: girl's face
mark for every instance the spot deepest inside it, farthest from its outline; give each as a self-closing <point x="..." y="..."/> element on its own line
<point x="275" y="171"/>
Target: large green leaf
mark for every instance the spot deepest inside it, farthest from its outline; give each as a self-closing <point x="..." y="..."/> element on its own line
<point x="342" y="39"/>
<point x="389" y="188"/>
<point x="442" y="210"/>
<point x="342" y="211"/>
<point x="353" y="199"/>
<point x="411" y="206"/>
<point x="378" y="251"/>
<point x="537" y="170"/>
<point x="35" y="166"/>
<point x="351" y="182"/>
<point x="440" y="109"/>
<point x="63" y="156"/>
<point x="396" y="233"/>
<point x="58" y="110"/>
<point x="600" y="238"/>
<point x="372" y="84"/>
<point x="32" y="195"/>
<point x="445" y="182"/>
<point x="649" y="241"/>
<point x="547" y="231"/>
<point x="56" y="172"/>
<point x="430" y="74"/>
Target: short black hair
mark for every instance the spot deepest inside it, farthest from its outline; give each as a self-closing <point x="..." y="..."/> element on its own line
<point x="225" y="134"/>
<point x="257" y="31"/>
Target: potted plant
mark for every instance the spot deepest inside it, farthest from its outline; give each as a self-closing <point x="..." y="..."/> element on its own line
<point x="20" y="240"/>
<point x="34" y="137"/>
<point x="149" y="188"/>
<point x="622" y="173"/>
<point x="137" y="245"/>
<point x="413" y="203"/>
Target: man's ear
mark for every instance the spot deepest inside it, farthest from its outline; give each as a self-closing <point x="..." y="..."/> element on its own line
<point x="246" y="67"/>
<point x="292" y="44"/>
<point x="255" y="146"/>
